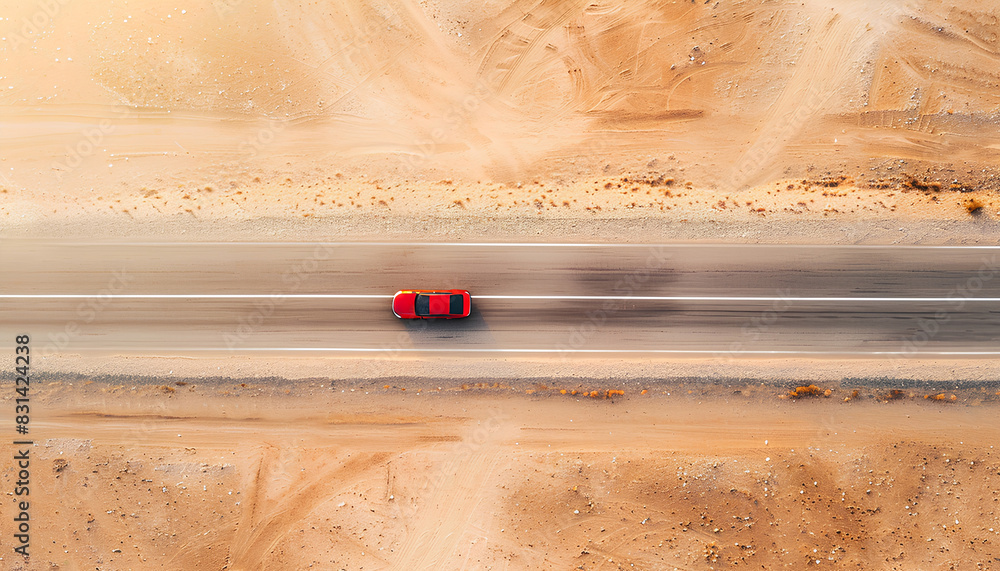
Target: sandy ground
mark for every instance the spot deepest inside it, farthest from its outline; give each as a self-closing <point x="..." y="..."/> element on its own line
<point x="231" y="474"/>
<point x="120" y="116"/>
<point x="857" y="121"/>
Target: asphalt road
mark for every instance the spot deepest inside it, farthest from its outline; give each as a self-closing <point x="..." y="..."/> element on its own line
<point x="568" y="300"/>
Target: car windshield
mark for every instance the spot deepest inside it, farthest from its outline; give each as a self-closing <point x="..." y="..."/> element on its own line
<point x="422" y="305"/>
<point x="457" y="305"/>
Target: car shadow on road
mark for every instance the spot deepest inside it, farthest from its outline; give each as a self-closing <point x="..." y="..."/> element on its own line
<point x="469" y="332"/>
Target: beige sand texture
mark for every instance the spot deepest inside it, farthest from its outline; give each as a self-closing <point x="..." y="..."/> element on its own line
<point x="239" y="110"/>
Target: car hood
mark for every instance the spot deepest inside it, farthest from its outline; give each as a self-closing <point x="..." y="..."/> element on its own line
<point x="402" y="303"/>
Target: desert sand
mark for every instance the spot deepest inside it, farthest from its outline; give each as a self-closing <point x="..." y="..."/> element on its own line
<point x="270" y="474"/>
<point x="856" y="121"/>
<point x="117" y="117"/>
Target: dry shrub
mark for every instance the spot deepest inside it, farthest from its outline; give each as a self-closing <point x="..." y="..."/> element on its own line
<point x="923" y="185"/>
<point x="828" y="182"/>
<point x="973" y="206"/>
<point x="894" y="394"/>
<point x="807" y="391"/>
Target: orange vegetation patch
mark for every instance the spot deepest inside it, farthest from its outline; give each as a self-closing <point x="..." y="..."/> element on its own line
<point x="595" y="394"/>
<point x="807" y="391"/>
<point x="894" y="394"/>
<point x="973" y="206"/>
<point x="469" y="386"/>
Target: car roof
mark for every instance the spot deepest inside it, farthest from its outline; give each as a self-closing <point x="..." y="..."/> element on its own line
<point x="437" y="303"/>
<point x="440" y="304"/>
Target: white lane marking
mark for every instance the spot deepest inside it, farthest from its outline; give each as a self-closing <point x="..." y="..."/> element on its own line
<point x="537" y="245"/>
<point x="194" y="296"/>
<point x="505" y="297"/>
<point x="721" y="352"/>
<point x="730" y="298"/>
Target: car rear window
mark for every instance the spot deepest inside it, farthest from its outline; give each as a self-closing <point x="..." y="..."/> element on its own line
<point x="457" y="304"/>
<point x="422" y="305"/>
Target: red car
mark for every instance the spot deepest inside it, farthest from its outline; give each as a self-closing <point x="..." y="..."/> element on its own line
<point x="431" y="304"/>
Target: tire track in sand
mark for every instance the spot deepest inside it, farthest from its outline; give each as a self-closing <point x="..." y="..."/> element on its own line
<point x="451" y="507"/>
<point x="262" y="526"/>
<point x="832" y="46"/>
